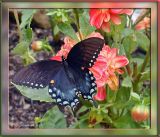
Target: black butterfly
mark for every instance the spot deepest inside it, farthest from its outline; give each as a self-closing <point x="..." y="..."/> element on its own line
<point x="66" y="80"/>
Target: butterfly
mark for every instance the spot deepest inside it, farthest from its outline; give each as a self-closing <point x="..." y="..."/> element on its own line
<point x="68" y="79"/>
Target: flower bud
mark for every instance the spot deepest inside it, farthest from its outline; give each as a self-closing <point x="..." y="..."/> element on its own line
<point x="140" y="113"/>
<point x="36" y="45"/>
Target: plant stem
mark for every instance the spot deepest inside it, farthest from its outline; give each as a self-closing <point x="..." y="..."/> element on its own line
<point x="128" y="68"/>
<point x="137" y="78"/>
<point x="77" y="23"/>
<point x="141" y="17"/>
<point x="18" y="24"/>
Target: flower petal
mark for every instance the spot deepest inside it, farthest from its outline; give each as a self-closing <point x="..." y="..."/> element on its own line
<point x="101" y="94"/>
<point x="93" y="13"/>
<point x="58" y="58"/>
<point x="107" y="16"/>
<point x="140" y="26"/>
<point x="95" y="34"/>
<point x="99" y="20"/>
<point x="116" y="11"/>
<point x="119" y="71"/>
<point x="116" y="19"/>
<point x="113" y="82"/>
<point x="128" y="11"/>
<point x="96" y="17"/>
<point x="106" y="26"/>
<point x="120" y="61"/>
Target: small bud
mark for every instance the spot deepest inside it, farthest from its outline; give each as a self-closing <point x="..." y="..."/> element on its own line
<point x="36" y="45"/>
<point x="140" y="113"/>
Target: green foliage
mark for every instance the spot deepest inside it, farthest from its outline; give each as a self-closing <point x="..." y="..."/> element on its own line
<point x="60" y="15"/>
<point x="67" y="30"/>
<point x="127" y="82"/>
<point x="22" y="48"/>
<point x="35" y="94"/>
<point x="142" y="40"/>
<point x="27" y="15"/>
<point x="125" y="122"/>
<point x="85" y="27"/>
<point x="53" y="118"/>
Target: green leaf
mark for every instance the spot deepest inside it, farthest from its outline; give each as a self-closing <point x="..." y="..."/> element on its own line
<point x="35" y="94"/>
<point x="26" y="18"/>
<point x="145" y="75"/>
<point x="120" y="27"/>
<point x="125" y="122"/>
<point x="85" y="27"/>
<point x="123" y="95"/>
<point x="27" y="34"/>
<point x="146" y="101"/>
<point x="67" y="30"/>
<point x="53" y="118"/>
<point x="127" y="82"/>
<point x="121" y="50"/>
<point x="129" y="44"/>
<point x="142" y="40"/>
<point x="126" y="32"/>
<point x="21" y="48"/>
<point x="135" y="97"/>
<point x="56" y="29"/>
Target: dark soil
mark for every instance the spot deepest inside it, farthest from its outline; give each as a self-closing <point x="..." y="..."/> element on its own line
<point x="23" y="110"/>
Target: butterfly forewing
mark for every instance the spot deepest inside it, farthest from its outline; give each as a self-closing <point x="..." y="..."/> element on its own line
<point x="84" y="53"/>
<point x="37" y="75"/>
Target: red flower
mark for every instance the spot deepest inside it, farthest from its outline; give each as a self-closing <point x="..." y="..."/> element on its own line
<point x="144" y="24"/>
<point x="100" y="18"/>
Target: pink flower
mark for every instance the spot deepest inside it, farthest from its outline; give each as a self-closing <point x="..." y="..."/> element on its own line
<point x="107" y="64"/>
<point x="101" y="94"/>
<point x="144" y="24"/>
<point x="100" y="18"/>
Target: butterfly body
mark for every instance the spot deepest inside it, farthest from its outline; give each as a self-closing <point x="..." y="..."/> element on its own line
<point x="67" y="79"/>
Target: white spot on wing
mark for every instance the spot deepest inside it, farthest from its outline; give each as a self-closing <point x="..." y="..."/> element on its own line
<point x="92" y="90"/>
<point x="65" y="102"/>
<point x="53" y="95"/>
<point x="58" y="100"/>
<point x="73" y="104"/>
<point x="50" y="91"/>
<point x="92" y="78"/>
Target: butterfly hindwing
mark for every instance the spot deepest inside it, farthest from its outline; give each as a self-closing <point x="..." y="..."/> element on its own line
<point x="84" y="53"/>
<point x="86" y="85"/>
<point x="62" y="88"/>
<point x="37" y="75"/>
